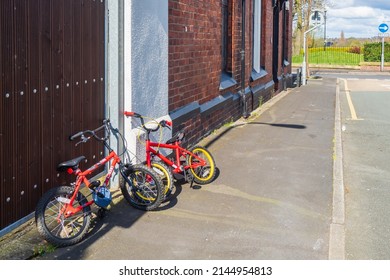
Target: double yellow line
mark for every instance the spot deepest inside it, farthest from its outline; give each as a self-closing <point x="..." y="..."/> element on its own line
<point x="350" y="104"/>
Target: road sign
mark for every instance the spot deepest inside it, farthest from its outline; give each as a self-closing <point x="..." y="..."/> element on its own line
<point x="383" y="27"/>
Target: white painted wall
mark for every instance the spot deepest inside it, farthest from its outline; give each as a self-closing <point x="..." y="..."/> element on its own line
<point x="114" y="72"/>
<point x="137" y="68"/>
<point x="145" y="64"/>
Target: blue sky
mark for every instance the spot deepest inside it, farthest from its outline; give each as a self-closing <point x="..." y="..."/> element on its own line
<point x="357" y="18"/>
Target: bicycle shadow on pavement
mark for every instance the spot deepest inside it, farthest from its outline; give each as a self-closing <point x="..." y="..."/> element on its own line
<point x="120" y="214"/>
<point x="172" y="200"/>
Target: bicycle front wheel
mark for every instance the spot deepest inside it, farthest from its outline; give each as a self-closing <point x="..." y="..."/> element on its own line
<point x="201" y="165"/>
<point x="142" y="187"/>
<point x="51" y="221"/>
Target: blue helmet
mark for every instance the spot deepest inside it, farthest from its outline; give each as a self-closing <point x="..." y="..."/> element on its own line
<point x="102" y="197"/>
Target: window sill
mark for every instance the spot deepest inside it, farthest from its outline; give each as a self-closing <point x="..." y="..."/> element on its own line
<point x="226" y="81"/>
<point x="258" y="75"/>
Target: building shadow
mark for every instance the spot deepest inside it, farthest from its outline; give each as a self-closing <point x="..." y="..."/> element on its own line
<point x="230" y="128"/>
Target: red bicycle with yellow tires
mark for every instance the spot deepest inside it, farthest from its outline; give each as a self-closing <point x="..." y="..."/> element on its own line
<point x="195" y="164"/>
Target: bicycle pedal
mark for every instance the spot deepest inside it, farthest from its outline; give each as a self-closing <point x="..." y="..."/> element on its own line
<point x="102" y="212"/>
<point x="178" y="176"/>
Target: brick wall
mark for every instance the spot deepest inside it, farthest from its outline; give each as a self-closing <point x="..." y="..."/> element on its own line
<point x="195" y="60"/>
<point x="194" y="51"/>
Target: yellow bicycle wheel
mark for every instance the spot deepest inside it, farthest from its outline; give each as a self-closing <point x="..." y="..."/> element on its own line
<point x="201" y="165"/>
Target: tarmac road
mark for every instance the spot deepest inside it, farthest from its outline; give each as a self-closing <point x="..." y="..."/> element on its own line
<point x="366" y="136"/>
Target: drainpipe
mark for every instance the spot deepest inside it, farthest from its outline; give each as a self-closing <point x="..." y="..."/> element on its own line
<point x="245" y="112"/>
<point x="275" y="43"/>
<point x="284" y="39"/>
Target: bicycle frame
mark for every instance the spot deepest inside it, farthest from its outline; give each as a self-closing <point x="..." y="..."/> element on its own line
<point x="178" y="150"/>
<point x="81" y="178"/>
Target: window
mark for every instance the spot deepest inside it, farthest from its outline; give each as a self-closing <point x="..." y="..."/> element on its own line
<point x="226" y="52"/>
<point x="258" y="70"/>
<point x="226" y="44"/>
<point x="256" y="35"/>
<point x="286" y="8"/>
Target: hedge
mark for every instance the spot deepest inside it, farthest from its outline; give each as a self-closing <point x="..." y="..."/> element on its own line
<point x="373" y="52"/>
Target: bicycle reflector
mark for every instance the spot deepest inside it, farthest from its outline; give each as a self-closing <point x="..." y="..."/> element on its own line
<point x="102" y="197"/>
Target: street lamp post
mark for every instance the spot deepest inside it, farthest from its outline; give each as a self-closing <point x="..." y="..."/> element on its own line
<point x="304" y="74"/>
<point x="325" y="42"/>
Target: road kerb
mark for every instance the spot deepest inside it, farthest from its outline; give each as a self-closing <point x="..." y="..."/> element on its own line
<point x="337" y="227"/>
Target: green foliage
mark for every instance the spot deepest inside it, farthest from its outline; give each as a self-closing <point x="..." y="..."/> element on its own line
<point x="41" y="249"/>
<point x="373" y="52"/>
<point x="350" y="56"/>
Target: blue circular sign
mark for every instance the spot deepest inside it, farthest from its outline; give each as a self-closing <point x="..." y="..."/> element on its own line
<point x="383" y="27"/>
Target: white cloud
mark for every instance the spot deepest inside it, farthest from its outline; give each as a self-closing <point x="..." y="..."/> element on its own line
<point x="341" y="5"/>
<point x="379" y="4"/>
<point x="357" y="20"/>
<point x="354" y="13"/>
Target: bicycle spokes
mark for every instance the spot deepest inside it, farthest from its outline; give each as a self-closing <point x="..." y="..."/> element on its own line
<point x="60" y="221"/>
<point x="144" y="186"/>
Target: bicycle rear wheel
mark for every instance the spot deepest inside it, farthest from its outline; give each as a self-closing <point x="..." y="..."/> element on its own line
<point x="142" y="187"/>
<point x="202" y="173"/>
<point x="51" y="223"/>
<point x="166" y="177"/>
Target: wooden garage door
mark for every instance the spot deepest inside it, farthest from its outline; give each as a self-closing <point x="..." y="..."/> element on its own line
<point x="52" y="85"/>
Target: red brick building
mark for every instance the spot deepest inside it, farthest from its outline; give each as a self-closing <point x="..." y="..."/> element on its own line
<point x="226" y="57"/>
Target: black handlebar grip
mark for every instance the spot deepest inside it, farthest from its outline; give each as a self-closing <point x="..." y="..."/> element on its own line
<point x="74" y="136"/>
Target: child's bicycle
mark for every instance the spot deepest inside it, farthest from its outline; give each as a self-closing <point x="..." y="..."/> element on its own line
<point x="194" y="165"/>
<point x="63" y="214"/>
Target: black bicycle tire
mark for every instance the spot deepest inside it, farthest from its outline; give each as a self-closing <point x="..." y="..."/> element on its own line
<point x="168" y="187"/>
<point x="42" y="227"/>
<point x="130" y="194"/>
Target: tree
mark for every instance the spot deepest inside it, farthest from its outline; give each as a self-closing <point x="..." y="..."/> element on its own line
<point x="302" y="11"/>
<point x="342" y="41"/>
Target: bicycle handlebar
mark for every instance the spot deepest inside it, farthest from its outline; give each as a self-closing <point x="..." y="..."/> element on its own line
<point x="163" y="123"/>
<point x="106" y="124"/>
<point x="169" y="123"/>
<point x="131" y="114"/>
<point x="74" y="136"/>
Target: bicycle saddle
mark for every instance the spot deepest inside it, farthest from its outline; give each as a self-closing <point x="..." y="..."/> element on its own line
<point x="178" y="136"/>
<point x="73" y="163"/>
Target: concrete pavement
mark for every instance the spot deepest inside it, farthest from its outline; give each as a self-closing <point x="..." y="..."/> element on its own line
<point x="273" y="197"/>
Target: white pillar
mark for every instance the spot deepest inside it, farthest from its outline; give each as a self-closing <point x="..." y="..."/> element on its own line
<point x="145" y="64"/>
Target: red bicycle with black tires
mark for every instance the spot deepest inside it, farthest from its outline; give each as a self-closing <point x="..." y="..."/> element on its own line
<point x="63" y="214"/>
